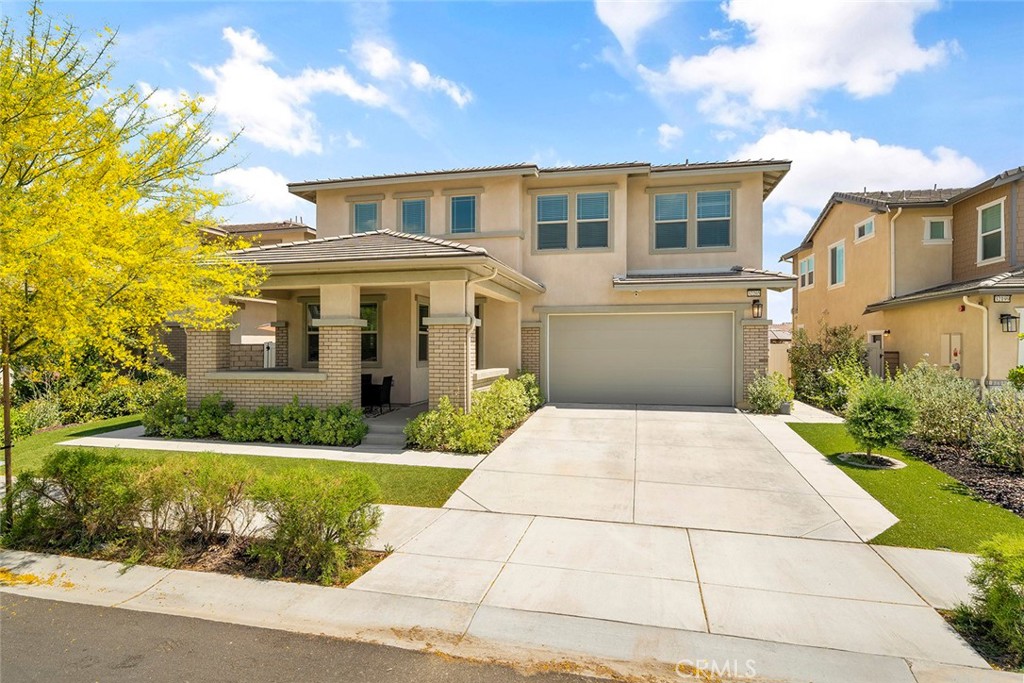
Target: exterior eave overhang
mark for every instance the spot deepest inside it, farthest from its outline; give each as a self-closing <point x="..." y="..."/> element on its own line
<point x="638" y="284"/>
<point x="471" y="264"/>
<point x="307" y="190"/>
<point x="938" y="296"/>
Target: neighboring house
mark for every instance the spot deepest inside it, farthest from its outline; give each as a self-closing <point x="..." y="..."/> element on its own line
<point x="936" y="274"/>
<point x="780" y="338"/>
<point x="616" y="283"/>
<point x="252" y="330"/>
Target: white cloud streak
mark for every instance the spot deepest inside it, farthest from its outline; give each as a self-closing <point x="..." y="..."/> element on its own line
<point x="628" y="20"/>
<point x="669" y="135"/>
<point x="259" y="188"/>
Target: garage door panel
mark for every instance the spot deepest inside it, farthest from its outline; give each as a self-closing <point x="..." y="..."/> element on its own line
<point x="680" y="359"/>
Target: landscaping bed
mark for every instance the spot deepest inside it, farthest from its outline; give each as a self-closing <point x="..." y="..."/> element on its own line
<point x="994" y="484"/>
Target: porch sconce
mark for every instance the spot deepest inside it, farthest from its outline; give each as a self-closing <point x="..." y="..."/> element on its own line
<point x="1009" y="322"/>
<point x="757" y="308"/>
<point x="887" y="333"/>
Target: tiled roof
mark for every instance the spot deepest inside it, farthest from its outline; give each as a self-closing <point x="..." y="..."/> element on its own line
<point x="903" y="197"/>
<point x="381" y="245"/>
<point x="280" y="226"/>
<point x="735" y="276"/>
<point x="1008" y="282"/>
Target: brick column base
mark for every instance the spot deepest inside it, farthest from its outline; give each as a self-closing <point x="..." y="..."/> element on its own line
<point x="755" y="352"/>
<point x="530" y="349"/>
<point x="280" y="343"/>
<point x="207" y="351"/>
<point x="452" y="354"/>
<point x="340" y="358"/>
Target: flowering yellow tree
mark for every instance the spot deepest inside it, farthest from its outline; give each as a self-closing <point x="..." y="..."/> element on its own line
<point x="102" y="207"/>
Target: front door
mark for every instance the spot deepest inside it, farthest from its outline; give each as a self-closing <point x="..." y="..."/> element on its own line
<point x="876" y="353"/>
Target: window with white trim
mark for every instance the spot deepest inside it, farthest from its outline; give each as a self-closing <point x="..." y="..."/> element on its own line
<point x="462" y="210"/>
<point x="807" y="272"/>
<point x="865" y="229"/>
<point x="837" y="264"/>
<point x="990" y="231"/>
<point x="366" y="216"/>
<point x="422" y="333"/>
<point x="714" y="218"/>
<point x="937" y="230"/>
<point x="414" y="216"/>
<point x="670" y="220"/>
<point x="572" y="220"/>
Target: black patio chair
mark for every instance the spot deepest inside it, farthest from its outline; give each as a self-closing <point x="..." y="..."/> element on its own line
<point x="385" y="393"/>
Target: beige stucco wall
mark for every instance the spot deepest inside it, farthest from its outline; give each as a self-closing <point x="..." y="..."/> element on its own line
<point x="965" y="234"/>
<point x="248" y="318"/>
<point x="920" y="264"/>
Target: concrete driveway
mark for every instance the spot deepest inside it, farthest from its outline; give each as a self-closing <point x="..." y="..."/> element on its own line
<point x="645" y="533"/>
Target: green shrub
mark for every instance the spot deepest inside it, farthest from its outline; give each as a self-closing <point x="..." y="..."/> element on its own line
<point x="1016" y="377"/>
<point x="825" y="370"/>
<point x="316" y="522"/>
<point x="168" y="417"/>
<point x="80" y="498"/>
<point x="438" y="429"/>
<point x="879" y="414"/>
<point x="996" y="613"/>
<point x="214" y="497"/>
<point x="114" y="396"/>
<point x="999" y="438"/>
<point x="768" y="392"/>
<point x="503" y="405"/>
<point x="947" y="406"/>
<point x="33" y="415"/>
<point x="534" y="395"/>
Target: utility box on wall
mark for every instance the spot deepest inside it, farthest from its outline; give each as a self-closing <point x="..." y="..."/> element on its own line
<point x="951" y="352"/>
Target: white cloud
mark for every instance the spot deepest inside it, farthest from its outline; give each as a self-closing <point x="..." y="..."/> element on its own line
<point x="272" y="108"/>
<point x="797" y="49"/>
<point x="352" y="141"/>
<point x="628" y="20"/>
<point x="163" y="100"/>
<point x="669" y="135"/>
<point x="384" y="64"/>
<point x="829" y="161"/>
<point x="261" y="188"/>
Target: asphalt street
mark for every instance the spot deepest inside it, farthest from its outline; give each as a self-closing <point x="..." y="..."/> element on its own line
<point x="43" y="640"/>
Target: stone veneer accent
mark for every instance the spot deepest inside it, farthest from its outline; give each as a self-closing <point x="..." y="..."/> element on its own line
<point x="755" y="351"/>
<point x="452" y="350"/>
<point x="530" y="349"/>
<point x="210" y="352"/>
<point x="280" y="344"/>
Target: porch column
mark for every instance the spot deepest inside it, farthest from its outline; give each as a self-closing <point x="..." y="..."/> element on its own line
<point x="207" y="351"/>
<point x="340" y="343"/>
<point x="280" y="343"/>
<point x="451" y="343"/>
<point x="755" y="351"/>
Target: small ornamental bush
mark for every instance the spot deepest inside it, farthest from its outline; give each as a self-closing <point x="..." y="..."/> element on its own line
<point x="316" y="522"/>
<point x="995" y="616"/>
<point x="503" y="405"/>
<point x="534" y="395"/>
<point x="879" y="414"/>
<point x="946" y="405"/>
<point x="999" y="438"/>
<point x="213" y="500"/>
<point x="439" y="429"/>
<point x="768" y="392"/>
<point x="826" y="369"/>
<point x="1016" y="378"/>
<point x="34" y="415"/>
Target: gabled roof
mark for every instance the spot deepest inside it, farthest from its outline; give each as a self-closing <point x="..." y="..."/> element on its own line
<point x="1007" y="176"/>
<point x="774" y="170"/>
<point x="380" y="245"/>
<point x="1010" y="282"/>
<point x="737" y="276"/>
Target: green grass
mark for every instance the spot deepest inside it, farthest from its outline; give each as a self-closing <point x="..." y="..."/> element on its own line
<point x="399" y="484"/>
<point x="935" y="510"/>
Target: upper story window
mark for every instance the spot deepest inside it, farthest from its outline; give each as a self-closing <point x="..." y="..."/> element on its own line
<point x="990" y="232"/>
<point x="837" y="264"/>
<point x="589" y="213"/>
<point x="865" y="229"/>
<point x="366" y="216"/>
<point x="591" y="220"/>
<point x="670" y="213"/>
<point x="714" y="219"/>
<point x="462" y="213"/>
<point x="414" y="216"/>
<point x="937" y="231"/>
<point x="807" y="272"/>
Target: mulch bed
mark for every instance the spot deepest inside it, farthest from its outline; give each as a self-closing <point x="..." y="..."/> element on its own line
<point x="993" y="484"/>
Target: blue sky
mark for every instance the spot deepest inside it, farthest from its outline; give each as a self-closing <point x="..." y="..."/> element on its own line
<point x="858" y="94"/>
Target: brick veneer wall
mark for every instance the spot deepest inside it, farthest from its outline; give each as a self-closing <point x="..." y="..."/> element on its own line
<point x="209" y="351"/>
<point x="177" y="347"/>
<point x="246" y="357"/>
<point x="530" y="350"/>
<point x="452" y="349"/>
<point x="755" y="351"/>
<point x="281" y="346"/>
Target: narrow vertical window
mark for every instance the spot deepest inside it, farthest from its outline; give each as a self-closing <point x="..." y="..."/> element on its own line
<point x="414" y="216"/>
<point x="591" y="220"/>
<point x="552" y="222"/>
<point x="714" y="218"/>
<point x="670" y="212"/>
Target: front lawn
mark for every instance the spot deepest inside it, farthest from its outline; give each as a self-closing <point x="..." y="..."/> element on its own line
<point x="399" y="484"/>
<point x="935" y="510"/>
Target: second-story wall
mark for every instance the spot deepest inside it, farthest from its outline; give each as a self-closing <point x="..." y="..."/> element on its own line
<point x="921" y="259"/>
<point x="968" y="263"/>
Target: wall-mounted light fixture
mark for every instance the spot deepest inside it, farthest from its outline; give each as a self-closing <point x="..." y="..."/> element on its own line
<point x="887" y="333"/>
<point x="757" y="308"/>
<point x="1009" y="322"/>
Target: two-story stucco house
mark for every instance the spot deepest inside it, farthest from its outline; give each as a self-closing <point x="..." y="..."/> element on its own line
<point x="936" y="274"/>
<point x="616" y="283"/>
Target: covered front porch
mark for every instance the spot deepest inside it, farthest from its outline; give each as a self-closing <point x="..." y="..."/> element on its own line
<point x="429" y="318"/>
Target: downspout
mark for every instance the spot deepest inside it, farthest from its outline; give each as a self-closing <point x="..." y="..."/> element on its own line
<point x="984" y="342"/>
<point x="892" y="252"/>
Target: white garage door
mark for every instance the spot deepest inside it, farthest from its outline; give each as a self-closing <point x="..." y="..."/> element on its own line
<point x="663" y="358"/>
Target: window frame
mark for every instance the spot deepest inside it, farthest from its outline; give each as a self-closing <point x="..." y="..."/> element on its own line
<point x="697" y="219"/>
<point x="400" y="223"/>
<point x="947" y="230"/>
<point x="308" y="330"/>
<point x="832" y="282"/>
<point x="1001" y="203"/>
<point x="422" y="360"/>
<point x="806" y="278"/>
<point x="857" y="237"/>
<point x="655" y="249"/>
<point x="572" y="232"/>
<point x="368" y="202"/>
<point x="537" y="223"/>
<point x="452" y="195"/>
<point x="378" y="301"/>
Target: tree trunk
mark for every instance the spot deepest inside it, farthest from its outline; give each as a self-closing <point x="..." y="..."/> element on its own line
<point x="8" y="435"/>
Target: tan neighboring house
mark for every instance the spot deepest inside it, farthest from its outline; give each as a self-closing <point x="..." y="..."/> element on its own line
<point x="615" y="283"/>
<point x="262" y="234"/>
<point x="935" y="274"/>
